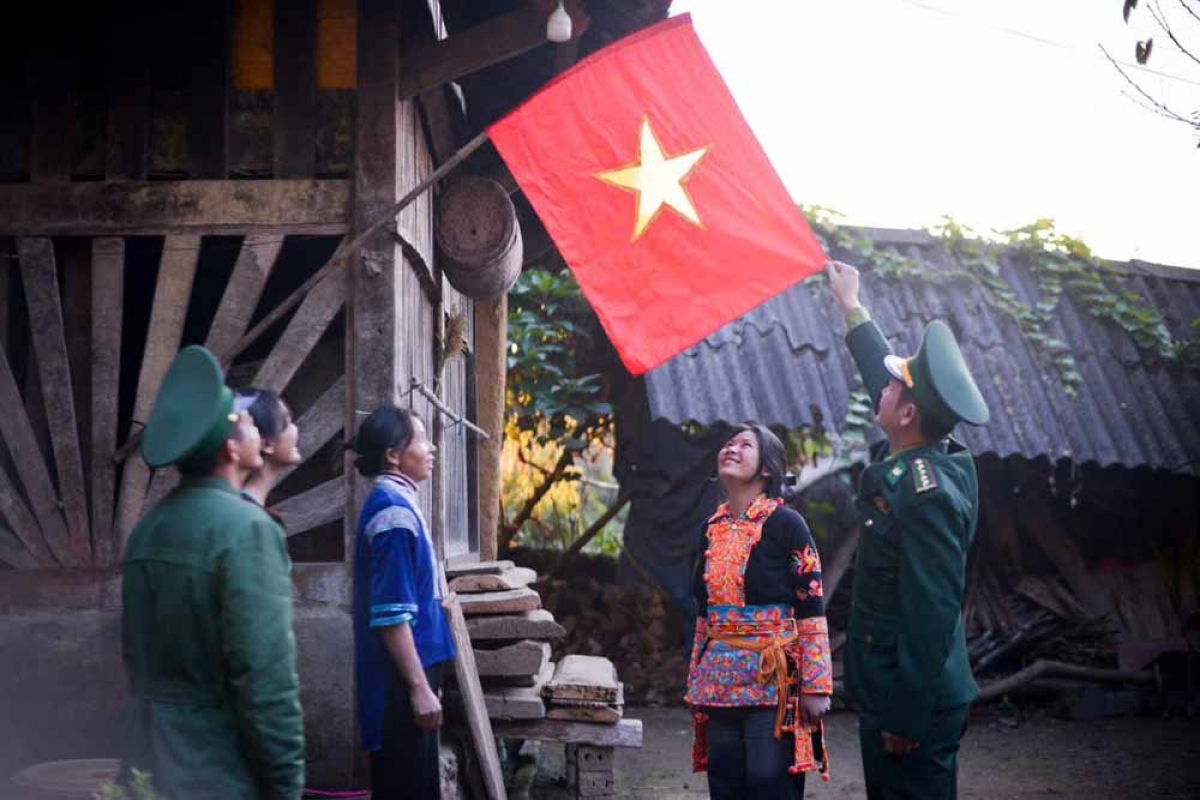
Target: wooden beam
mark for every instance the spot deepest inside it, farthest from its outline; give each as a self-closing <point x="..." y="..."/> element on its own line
<point x="31" y="471"/>
<point x="321" y="421"/>
<point x="108" y="299"/>
<point x="162" y="207"/>
<point x="626" y="733"/>
<point x="303" y="332"/>
<point x="294" y="125"/>
<point x="491" y="344"/>
<point x="370" y="276"/>
<point x="255" y="261"/>
<point x="39" y="274"/>
<point x="431" y="64"/>
<point x="318" y="506"/>
<point x="210" y="34"/>
<point x="180" y="255"/>
<point x="13" y="552"/>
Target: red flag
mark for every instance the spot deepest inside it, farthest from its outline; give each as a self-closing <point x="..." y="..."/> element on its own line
<point x="662" y="202"/>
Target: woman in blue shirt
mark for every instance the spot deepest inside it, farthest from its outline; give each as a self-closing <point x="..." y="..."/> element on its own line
<point x="402" y="637"/>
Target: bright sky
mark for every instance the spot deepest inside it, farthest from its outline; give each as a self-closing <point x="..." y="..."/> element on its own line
<point x="997" y="112"/>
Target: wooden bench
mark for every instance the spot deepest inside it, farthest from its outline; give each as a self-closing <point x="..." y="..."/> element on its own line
<point x="589" y="748"/>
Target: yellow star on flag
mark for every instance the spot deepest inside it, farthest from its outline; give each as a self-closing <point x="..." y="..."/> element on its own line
<point x="658" y="180"/>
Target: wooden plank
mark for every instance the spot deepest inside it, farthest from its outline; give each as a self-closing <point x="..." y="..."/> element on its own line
<point x="180" y="255"/>
<point x="19" y="523"/>
<point x="536" y="624"/>
<point x="31" y="470"/>
<point x="209" y="35"/>
<point x="514" y="702"/>
<point x="160" y="207"/>
<point x="255" y="261"/>
<point x="520" y="658"/>
<point x="75" y="268"/>
<point x="323" y="420"/>
<point x="590" y="711"/>
<point x="318" y="506"/>
<point x="13" y="553"/>
<point x="514" y="578"/>
<point x="303" y="331"/>
<point x="294" y="125"/>
<point x="430" y="64"/>
<point x="39" y="275"/>
<point x="580" y="677"/>
<point x="510" y="602"/>
<point x="626" y="733"/>
<point x="478" y="568"/>
<point x="478" y="722"/>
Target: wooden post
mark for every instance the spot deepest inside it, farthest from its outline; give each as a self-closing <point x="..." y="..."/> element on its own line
<point x="108" y="297"/>
<point x="491" y="339"/>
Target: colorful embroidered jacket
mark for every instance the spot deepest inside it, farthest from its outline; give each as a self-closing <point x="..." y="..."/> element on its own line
<point x="761" y="626"/>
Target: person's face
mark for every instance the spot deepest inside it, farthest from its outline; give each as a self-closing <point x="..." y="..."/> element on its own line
<point x="246" y="446"/>
<point x="739" y="459"/>
<point x="417" y="460"/>
<point x="284" y="449"/>
<point x="894" y="413"/>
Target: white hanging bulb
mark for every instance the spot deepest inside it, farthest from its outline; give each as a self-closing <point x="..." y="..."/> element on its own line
<point x="558" y="26"/>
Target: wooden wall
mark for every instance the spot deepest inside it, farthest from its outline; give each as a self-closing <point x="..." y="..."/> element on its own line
<point x="130" y="226"/>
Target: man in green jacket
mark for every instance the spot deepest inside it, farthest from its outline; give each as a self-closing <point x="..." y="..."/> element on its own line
<point x="906" y="653"/>
<point x="207" y="609"/>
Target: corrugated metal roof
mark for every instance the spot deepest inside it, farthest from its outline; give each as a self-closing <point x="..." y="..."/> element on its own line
<point x="785" y="363"/>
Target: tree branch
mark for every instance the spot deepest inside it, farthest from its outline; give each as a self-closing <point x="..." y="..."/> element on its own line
<point x="560" y="467"/>
<point x="1161" y="19"/>
<point x="1042" y="668"/>
<point x="1163" y="109"/>
<point x="588" y="535"/>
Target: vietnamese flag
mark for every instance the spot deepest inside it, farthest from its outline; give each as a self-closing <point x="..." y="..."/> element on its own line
<point x="662" y="202"/>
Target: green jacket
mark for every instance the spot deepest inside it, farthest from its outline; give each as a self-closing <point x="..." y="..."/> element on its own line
<point x="906" y="653"/>
<point x="209" y="649"/>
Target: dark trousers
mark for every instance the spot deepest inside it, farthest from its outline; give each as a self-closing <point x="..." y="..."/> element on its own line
<point x="745" y="760"/>
<point x="407" y="767"/>
<point x="928" y="773"/>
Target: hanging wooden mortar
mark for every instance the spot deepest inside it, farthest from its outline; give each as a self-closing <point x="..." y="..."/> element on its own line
<point x="479" y="237"/>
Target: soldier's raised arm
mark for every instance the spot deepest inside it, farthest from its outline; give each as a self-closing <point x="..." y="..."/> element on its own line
<point x="865" y="340"/>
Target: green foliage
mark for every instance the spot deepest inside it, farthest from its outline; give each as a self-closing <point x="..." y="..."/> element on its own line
<point x="547" y="324"/>
<point x="1061" y="265"/>
<point x="142" y="788"/>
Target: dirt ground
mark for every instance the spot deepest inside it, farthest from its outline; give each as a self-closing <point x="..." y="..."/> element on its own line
<point x="1002" y="757"/>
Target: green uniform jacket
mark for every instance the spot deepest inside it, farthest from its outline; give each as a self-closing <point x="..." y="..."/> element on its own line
<point x="209" y="649"/>
<point x="906" y="653"/>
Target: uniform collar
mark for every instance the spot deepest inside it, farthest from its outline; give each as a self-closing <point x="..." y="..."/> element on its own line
<point x="208" y="482"/>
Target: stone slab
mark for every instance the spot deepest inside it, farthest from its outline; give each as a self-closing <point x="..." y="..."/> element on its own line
<point x="523" y="658"/>
<point x="536" y="624"/>
<point x="510" y="602"/>
<point x="478" y="568"/>
<point x="514" y="578"/>
<point x="583" y="678"/>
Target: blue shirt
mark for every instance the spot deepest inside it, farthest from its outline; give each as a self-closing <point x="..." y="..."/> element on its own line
<point x="397" y="581"/>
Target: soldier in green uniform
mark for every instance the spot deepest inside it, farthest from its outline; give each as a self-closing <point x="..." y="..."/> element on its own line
<point x="906" y="653"/>
<point x="207" y="609"/>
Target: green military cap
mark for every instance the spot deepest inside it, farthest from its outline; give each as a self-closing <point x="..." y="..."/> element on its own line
<point x="939" y="379"/>
<point x="193" y="413"/>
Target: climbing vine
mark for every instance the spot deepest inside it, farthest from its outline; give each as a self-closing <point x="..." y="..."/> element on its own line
<point x="1060" y="264"/>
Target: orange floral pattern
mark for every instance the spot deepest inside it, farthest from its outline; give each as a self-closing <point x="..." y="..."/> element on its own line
<point x="729" y="544"/>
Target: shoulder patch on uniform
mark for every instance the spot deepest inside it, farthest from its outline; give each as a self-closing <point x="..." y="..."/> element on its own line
<point x="895" y="473"/>
<point x="924" y="478"/>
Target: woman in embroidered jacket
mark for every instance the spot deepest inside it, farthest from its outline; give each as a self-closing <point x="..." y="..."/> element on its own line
<point x="401" y="636"/>
<point x="760" y="677"/>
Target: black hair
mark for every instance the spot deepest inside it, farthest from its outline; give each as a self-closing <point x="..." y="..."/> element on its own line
<point x="388" y="427"/>
<point x="772" y="457"/>
<point x="932" y="429"/>
<point x="266" y="409"/>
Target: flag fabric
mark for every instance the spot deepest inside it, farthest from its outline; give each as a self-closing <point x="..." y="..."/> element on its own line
<point x="656" y="192"/>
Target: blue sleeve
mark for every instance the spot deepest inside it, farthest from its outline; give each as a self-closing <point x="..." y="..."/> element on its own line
<point x="394" y="558"/>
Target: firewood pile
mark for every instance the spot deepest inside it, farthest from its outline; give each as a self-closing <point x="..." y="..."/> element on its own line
<point x="511" y="637"/>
